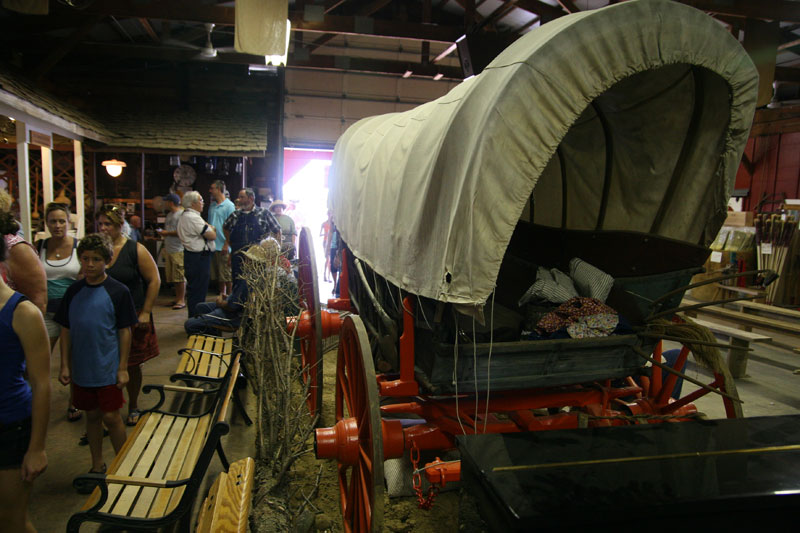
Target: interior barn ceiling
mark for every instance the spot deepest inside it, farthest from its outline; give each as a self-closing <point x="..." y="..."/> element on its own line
<point x="87" y="49"/>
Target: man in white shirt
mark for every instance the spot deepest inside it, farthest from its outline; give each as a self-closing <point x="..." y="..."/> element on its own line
<point x="197" y="237"/>
<point x="173" y="250"/>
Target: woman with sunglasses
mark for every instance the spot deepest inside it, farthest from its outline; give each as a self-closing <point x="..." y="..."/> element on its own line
<point x="133" y="266"/>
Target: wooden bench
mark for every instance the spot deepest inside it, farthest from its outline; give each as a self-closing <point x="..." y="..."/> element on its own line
<point x="206" y="358"/>
<point x="227" y="506"/>
<point x="739" y="344"/>
<point x="747" y="321"/>
<point x="756" y="309"/>
<point x="154" y="479"/>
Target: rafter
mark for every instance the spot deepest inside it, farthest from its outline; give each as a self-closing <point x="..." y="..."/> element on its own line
<point x="568" y="5"/>
<point x="364" y="11"/>
<point x="545" y="11"/>
<point x="352" y="64"/>
<point x="377" y="28"/>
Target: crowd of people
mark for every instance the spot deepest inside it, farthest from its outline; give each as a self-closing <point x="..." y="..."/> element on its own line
<point x="94" y="298"/>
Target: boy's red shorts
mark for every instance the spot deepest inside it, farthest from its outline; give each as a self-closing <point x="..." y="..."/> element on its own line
<point x="107" y="399"/>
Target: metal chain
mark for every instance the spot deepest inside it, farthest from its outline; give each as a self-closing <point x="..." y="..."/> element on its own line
<point x="425" y="502"/>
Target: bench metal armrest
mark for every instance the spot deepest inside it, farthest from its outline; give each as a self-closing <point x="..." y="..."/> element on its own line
<point x="174" y="388"/>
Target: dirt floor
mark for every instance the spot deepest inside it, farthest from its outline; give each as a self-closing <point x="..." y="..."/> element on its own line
<point x="401" y="514"/>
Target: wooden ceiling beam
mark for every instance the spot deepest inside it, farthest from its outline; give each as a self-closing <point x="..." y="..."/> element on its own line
<point x="191" y="11"/>
<point x="377" y="66"/>
<point x="568" y="5"/>
<point x="545" y="11"/>
<point x="377" y="28"/>
<point x="365" y="11"/>
<point x="782" y="10"/>
<point x="334" y="62"/>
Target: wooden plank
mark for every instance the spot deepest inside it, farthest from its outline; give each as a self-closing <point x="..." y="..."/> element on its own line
<point x="159" y="470"/>
<point x="227" y="506"/>
<point x="191" y="443"/>
<point x="215" y="362"/>
<point x="205" y="517"/>
<point x="144" y="422"/>
<point x="239" y="490"/>
<point x="128" y="464"/>
<point x="143" y="466"/>
<point x="748" y="319"/>
<point x="743" y="290"/>
<point x="732" y="332"/>
<point x="755" y="306"/>
<point x="194" y="342"/>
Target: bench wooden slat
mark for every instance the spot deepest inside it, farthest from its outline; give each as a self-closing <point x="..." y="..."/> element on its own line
<point x="123" y="453"/>
<point x="151" y="450"/>
<point x="163" y="461"/>
<point x="192" y="440"/>
<point x="194" y="342"/>
<point x="131" y="458"/>
<point x="215" y="363"/>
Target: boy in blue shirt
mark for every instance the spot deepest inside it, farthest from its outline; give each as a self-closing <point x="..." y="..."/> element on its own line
<point x="97" y="313"/>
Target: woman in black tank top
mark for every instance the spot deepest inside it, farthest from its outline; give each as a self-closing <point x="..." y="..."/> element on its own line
<point x="133" y="266"/>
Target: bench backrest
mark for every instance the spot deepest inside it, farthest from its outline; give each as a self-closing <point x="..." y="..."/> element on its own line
<point x="206" y="355"/>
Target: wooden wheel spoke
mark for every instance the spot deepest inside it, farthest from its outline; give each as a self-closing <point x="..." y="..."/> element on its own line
<point x="356" y="390"/>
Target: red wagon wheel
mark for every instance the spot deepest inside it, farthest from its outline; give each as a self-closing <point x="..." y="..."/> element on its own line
<point x="310" y="345"/>
<point x="361" y="479"/>
<point x="662" y="384"/>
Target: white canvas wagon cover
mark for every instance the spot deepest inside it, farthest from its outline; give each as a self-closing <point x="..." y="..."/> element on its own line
<point x="631" y="117"/>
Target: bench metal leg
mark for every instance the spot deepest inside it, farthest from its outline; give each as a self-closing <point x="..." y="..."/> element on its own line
<point x="224" y="460"/>
<point x="239" y="405"/>
<point x="737" y="357"/>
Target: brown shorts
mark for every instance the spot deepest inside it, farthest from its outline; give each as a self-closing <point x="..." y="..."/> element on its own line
<point x="173" y="269"/>
<point x="107" y="399"/>
<point x="144" y="343"/>
<point x="220" y="269"/>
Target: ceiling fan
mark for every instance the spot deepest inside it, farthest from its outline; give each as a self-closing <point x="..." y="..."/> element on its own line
<point x="207" y="51"/>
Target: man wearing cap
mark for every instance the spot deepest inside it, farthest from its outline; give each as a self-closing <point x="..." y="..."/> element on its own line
<point x="173" y="250"/>
<point x="247" y="225"/>
<point x="218" y="212"/>
<point x="288" y="230"/>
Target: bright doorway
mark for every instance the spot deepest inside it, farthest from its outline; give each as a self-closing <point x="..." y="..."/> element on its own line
<point x="305" y="190"/>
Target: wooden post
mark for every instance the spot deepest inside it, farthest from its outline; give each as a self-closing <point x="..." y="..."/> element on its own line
<point x="24" y="179"/>
<point x="737" y="357"/>
<point x="77" y="148"/>
<point x="47" y="178"/>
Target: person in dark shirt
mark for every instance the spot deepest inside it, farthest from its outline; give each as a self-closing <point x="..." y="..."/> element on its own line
<point x="223" y="314"/>
<point x="96" y="314"/>
<point x="245" y="226"/>
<point x="24" y="397"/>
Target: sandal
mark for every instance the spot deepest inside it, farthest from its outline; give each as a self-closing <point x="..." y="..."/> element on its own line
<point x="85" y="487"/>
<point x="133" y="417"/>
<point x="179" y="306"/>
<point x="84" y="440"/>
<point x="73" y="414"/>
